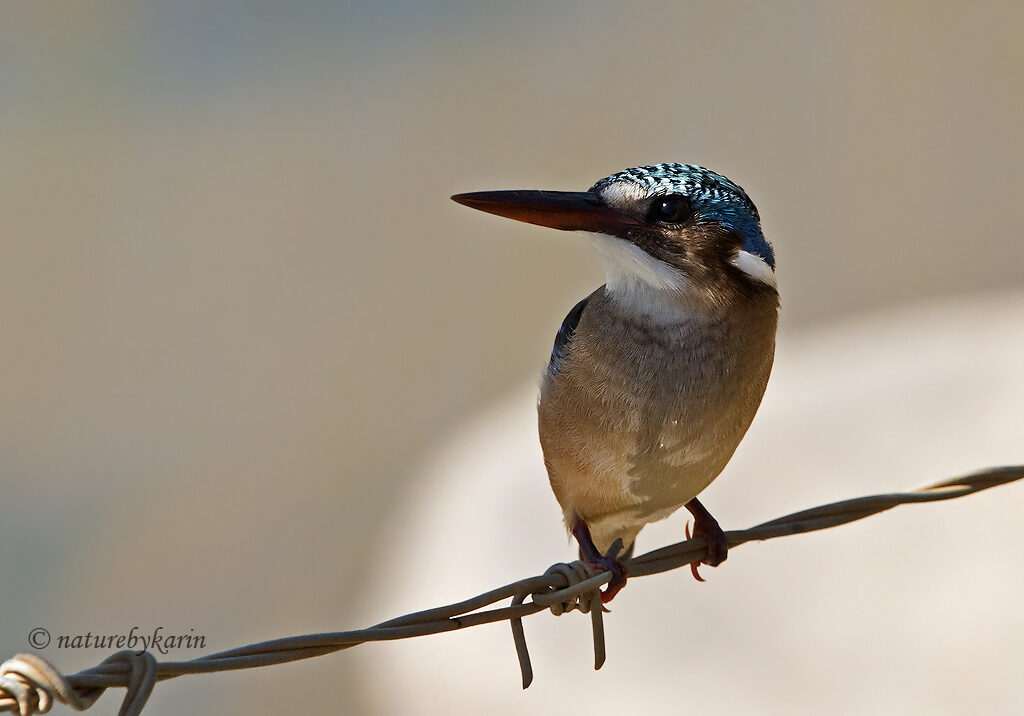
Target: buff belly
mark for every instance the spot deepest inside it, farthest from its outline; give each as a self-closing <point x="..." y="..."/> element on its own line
<point x="636" y="425"/>
<point x="618" y="480"/>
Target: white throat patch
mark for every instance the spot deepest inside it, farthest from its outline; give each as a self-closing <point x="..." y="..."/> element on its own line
<point x="640" y="282"/>
<point x="625" y="263"/>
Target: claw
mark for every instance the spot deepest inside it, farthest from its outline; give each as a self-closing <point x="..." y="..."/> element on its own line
<point x="693" y="565"/>
<point x="618" y="578"/>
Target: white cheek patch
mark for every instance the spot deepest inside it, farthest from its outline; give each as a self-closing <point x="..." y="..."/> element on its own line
<point x="755" y="267"/>
<point x="626" y="264"/>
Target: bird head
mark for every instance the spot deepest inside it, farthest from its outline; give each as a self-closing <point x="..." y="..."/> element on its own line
<point x="675" y="228"/>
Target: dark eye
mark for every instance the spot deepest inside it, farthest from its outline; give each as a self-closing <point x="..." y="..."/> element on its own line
<point x="671" y="209"/>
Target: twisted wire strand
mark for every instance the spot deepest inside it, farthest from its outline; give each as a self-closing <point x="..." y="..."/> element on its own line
<point x="30" y="684"/>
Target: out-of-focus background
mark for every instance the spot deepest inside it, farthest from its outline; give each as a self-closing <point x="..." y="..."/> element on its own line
<point x="243" y="326"/>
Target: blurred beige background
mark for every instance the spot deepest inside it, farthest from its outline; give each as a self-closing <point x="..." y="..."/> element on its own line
<point x="240" y="314"/>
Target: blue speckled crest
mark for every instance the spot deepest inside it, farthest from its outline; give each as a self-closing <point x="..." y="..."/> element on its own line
<point x="713" y="195"/>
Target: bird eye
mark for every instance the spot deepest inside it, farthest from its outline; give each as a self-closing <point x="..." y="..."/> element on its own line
<point x="672" y="209"/>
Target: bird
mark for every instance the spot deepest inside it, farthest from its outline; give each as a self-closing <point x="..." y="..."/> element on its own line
<point x="655" y="377"/>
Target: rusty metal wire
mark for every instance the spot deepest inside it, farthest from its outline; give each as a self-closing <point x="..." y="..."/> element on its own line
<point x="30" y="685"/>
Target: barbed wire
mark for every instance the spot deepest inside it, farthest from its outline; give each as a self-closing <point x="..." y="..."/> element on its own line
<point x="29" y="684"/>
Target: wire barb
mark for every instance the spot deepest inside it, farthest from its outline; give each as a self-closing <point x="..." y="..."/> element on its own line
<point x="29" y="684"/>
<point x="579" y="589"/>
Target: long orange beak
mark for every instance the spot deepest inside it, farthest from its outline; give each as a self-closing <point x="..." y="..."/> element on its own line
<point x="565" y="210"/>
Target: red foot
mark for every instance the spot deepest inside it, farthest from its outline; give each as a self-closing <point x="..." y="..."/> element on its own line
<point x="618" y="577"/>
<point x="590" y="555"/>
<point x="706" y="527"/>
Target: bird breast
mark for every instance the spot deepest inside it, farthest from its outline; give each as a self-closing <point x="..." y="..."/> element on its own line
<point x="640" y="417"/>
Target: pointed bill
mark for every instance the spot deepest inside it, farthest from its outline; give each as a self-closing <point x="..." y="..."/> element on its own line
<point x="565" y="210"/>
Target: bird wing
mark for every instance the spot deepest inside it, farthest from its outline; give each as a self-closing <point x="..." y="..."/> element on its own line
<point x="564" y="335"/>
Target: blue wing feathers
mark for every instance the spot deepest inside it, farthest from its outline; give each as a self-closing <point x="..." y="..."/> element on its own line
<point x="565" y="333"/>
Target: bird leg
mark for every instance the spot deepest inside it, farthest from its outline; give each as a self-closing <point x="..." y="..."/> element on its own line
<point x="706" y="527"/>
<point x="590" y="554"/>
